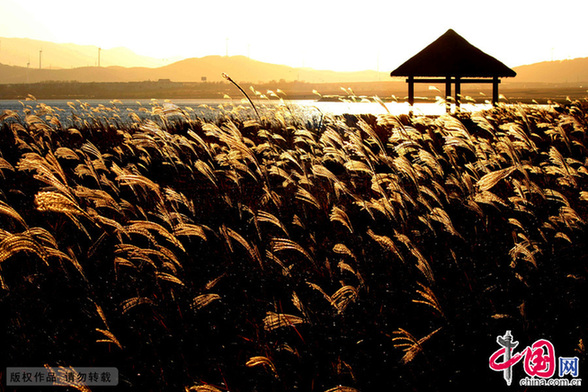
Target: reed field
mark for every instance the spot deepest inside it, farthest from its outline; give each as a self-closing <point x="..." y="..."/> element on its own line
<point x="271" y="252"/>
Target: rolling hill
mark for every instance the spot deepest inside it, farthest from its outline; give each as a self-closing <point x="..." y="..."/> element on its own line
<point x="69" y="62"/>
<point x="565" y="71"/>
<point x="22" y="51"/>
<point x="190" y="70"/>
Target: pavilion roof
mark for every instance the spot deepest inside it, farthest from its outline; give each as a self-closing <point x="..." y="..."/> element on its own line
<point x="452" y="55"/>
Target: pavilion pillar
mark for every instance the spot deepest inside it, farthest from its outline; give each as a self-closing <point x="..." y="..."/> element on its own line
<point x="457" y="93"/>
<point x="410" y="81"/>
<point x="448" y="94"/>
<point x="410" y="90"/>
<point x="495" y="82"/>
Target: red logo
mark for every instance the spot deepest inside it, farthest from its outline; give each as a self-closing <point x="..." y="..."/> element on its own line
<point x="539" y="358"/>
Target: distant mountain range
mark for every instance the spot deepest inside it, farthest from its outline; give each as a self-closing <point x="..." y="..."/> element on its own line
<point x="23" y="52"/>
<point x="209" y="68"/>
<point x="20" y="63"/>
<point x="574" y="71"/>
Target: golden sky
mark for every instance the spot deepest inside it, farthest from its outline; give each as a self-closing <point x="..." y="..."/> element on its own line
<point x="338" y="35"/>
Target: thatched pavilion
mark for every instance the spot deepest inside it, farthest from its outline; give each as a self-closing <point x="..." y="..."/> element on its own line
<point x="452" y="60"/>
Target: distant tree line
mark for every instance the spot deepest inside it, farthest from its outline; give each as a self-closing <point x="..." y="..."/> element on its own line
<point x="122" y="90"/>
<point x="168" y="89"/>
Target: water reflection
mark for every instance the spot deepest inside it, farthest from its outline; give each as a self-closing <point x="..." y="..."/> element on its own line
<point x="206" y="108"/>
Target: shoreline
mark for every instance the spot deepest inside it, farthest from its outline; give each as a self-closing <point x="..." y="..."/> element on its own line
<point x="387" y="91"/>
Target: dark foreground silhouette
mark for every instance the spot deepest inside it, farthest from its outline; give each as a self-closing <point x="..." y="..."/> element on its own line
<point x="287" y="254"/>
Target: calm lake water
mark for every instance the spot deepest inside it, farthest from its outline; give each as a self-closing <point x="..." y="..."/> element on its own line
<point x="210" y="108"/>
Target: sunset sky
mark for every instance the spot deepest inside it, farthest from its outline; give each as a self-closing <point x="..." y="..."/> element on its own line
<point x="342" y="36"/>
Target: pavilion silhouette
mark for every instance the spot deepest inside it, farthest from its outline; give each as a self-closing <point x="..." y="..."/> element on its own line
<point x="450" y="59"/>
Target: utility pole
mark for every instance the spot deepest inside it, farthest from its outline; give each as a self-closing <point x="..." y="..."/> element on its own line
<point x="40" y="56"/>
<point x="99" y="49"/>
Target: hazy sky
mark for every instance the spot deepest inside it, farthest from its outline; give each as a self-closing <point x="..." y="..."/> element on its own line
<point x="338" y="35"/>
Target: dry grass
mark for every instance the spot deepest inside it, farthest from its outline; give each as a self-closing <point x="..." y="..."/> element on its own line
<point x="274" y="253"/>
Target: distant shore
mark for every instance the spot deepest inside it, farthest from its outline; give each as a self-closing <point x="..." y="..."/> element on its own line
<point x="385" y="90"/>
